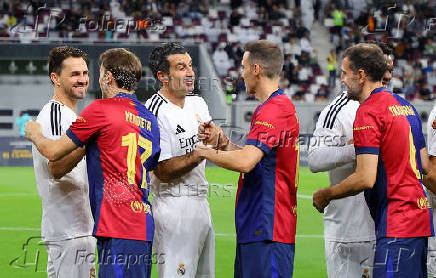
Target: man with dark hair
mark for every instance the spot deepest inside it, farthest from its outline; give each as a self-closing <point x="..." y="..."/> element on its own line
<point x="387" y="51"/>
<point x="179" y="185"/>
<point x="431" y="143"/>
<point x="66" y="225"/>
<point x="391" y="156"/>
<point x="266" y="202"/>
<point x="348" y="226"/>
<point x="122" y="139"/>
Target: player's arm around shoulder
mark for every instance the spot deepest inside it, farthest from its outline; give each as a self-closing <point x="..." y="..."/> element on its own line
<point x="52" y="149"/>
<point x="65" y="165"/>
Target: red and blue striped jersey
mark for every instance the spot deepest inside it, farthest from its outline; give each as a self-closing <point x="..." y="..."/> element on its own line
<point x="122" y="145"/>
<point x="389" y="126"/>
<point x="266" y="201"/>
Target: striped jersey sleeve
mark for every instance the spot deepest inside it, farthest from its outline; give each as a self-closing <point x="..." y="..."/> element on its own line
<point x="51" y="121"/>
<point x="154" y="103"/>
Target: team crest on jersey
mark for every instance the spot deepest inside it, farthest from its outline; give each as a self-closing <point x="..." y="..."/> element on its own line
<point x="136" y="206"/>
<point x="80" y="119"/>
<point x="181" y="270"/>
<point x="423" y="203"/>
<point x="147" y="208"/>
<point x="92" y="273"/>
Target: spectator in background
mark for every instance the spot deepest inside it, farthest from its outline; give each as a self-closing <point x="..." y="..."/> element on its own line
<point x="3" y="20"/>
<point x="235" y="18"/>
<point x="283" y="81"/>
<point x="299" y="94"/>
<point x="323" y="93"/>
<point x="331" y="60"/>
<point x="221" y="60"/>
<point x="21" y="122"/>
<point x="430" y="47"/>
<point x="338" y="22"/>
<point x="288" y="68"/>
<point x="305" y="43"/>
<point x="424" y="92"/>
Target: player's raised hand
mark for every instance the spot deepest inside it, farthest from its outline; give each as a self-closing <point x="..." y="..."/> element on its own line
<point x="321" y="199"/>
<point x="33" y="129"/>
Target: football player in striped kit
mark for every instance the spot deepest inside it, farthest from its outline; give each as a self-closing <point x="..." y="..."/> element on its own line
<point x="348" y="226"/>
<point x="66" y="225"/>
<point x="391" y="161"/>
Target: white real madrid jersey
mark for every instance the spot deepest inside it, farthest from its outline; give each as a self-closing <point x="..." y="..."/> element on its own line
<point x="431" y="142"/>
<point x="347" y="219"/>
<point x="66" y="212"/>
<point x="178" y="136"/>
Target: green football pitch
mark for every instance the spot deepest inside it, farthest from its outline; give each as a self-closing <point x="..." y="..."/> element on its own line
<point x="23" y="255"/>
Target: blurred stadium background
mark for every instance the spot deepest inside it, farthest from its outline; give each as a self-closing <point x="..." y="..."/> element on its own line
<point x="214" y="32"/>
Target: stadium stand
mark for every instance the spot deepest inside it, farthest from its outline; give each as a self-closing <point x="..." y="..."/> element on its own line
<point x="224" y="26"/>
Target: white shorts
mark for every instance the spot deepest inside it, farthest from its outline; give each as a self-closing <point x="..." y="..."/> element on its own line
<point x="431" y="262"/>
<point x="349" y="259"/>
<point x="71" y="258"/>
<point x="184" y="237"/>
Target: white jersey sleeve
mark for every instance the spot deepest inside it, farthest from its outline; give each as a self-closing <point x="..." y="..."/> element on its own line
<point x="431" y="145"/>
<point x="205" y="116"/>
<point x="165" y="142"/>
<point x="328" y="147"/>
<point x="431" y="133"/>
<point x="154" y="104"/>
<point x="347" y="219"/>
<point x="53" y="125"/>
<point x="65" y="201"/>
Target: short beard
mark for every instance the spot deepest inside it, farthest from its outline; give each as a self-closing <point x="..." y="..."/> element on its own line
<point x="354" y="92"/>
<point x="69" y="92"/>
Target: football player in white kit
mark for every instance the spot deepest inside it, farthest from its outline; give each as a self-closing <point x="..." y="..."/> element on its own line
<point x="183" y="224"/>
<point x="431" y="146"/>
<point x="348" y="226"/>
<point x="66" y="225"/>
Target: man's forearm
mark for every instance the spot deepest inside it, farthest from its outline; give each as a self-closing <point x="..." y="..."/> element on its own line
<point x="429" y="181"/>
<point x="61" y="167"/>
<point x="54" y="149"/>
<point x="176" y="167"/>
<point x="46" y="147"/>
<point x="239" y="160"/>
<point x="231" y="147"/>
<point x="351" y="186"/>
